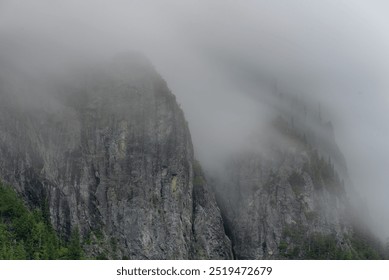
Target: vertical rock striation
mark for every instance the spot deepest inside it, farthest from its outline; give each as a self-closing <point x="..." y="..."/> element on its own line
<point x="111" y="155"/>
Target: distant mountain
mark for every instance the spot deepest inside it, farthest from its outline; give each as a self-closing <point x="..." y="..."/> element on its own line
<point x="287" y="199"/>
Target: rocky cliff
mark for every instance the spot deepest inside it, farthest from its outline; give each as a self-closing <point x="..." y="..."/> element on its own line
<point x="109" y="153"/>
<point x="271" y="199"/>
<point x="105" y="151"/>
<point x="285" y="199"/>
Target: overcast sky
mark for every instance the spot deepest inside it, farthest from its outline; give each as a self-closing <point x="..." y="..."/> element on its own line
<point x="210" y="52"/>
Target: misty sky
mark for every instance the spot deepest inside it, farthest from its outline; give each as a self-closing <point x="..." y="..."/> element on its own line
<point x="218" y="57"/>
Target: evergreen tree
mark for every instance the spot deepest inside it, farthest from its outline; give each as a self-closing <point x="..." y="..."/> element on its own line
<point x="26" y="234"/>
<point x="75" y="249"/>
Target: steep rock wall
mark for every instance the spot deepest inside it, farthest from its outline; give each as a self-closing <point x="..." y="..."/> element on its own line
<point x="283" y="200"/>
<point x="109" y="153"/>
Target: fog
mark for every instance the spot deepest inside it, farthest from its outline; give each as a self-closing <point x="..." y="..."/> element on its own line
<point x="223" y="58"/>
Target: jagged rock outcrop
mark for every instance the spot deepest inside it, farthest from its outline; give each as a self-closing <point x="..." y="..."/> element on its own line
<point x="109" y="152"/>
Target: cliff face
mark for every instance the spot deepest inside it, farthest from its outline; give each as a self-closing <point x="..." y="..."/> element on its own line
<point x="113" y="159"/>
<point x="285" y="200"/>
<point x="107" y="152"/>
<point x="274" y="203"/>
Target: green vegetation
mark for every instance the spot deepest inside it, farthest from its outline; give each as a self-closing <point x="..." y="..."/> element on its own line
<point x="321" y="170"/>
<point x="320" y="246"/>
<point x="198" y="176"/>
<point x="297" y="243"/>
<point x="26" y="234"/>
<point x="323" y="173"/>
<point x="366" y="247"/>
<point x="105" y="248"/>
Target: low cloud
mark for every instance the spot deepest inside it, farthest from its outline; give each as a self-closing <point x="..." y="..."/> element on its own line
<point x="222" y="58"/>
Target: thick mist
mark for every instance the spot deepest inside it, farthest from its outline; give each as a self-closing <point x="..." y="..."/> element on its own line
<point x="223" y="60"/>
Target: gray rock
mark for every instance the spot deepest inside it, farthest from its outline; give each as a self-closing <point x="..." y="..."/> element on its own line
<point x="112" y="157"/>
<point x="274" y="203"/>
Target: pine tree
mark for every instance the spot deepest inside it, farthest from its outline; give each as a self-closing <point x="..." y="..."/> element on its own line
<point x="75" y="249"/>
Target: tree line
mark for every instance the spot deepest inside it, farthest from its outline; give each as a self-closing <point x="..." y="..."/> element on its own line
<point x="27" y="234"/>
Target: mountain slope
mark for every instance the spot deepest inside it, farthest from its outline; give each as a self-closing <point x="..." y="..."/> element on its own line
<point x="285" y="201"/>
<point x="104" y="155"/>
<point x="110" y="153"/>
